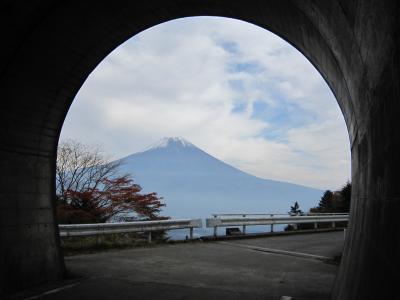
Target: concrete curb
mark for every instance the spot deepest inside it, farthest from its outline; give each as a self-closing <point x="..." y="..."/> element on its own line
<point x="211" y="238"/>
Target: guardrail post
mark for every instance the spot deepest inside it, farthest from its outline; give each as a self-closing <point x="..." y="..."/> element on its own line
<point x="315" y="225"/>
<point x="215" y="231"/>
<point x="272" y="225"/>
<point x="149" y="237"/>
<point x="295" y="226"/>
<point x="244" y="226"/>
<point x="191" y="233"/>
<point x="333" y="225"/>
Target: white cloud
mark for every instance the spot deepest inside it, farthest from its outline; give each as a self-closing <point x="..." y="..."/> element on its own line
<point x="176" y="79"/>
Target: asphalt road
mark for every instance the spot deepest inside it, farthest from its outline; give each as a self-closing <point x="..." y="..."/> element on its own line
<point x="206" y="270"/>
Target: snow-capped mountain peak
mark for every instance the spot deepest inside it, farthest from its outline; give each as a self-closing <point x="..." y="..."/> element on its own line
<point x="169" y="141"/>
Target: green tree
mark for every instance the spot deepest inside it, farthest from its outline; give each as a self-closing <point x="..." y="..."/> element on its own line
<point x="295" y="210"/>
<point x="325" y="204"/>
<point x="346" y="196"/>
<point x="335" y="202"/>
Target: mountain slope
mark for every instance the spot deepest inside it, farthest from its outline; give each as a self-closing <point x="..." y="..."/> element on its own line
<point x="195" y="184"/>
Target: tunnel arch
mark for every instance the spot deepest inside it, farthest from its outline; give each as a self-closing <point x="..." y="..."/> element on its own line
<point x="53" y="47"/>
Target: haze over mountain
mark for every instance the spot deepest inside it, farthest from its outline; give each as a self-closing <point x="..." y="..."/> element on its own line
<point x="195" y="184"/>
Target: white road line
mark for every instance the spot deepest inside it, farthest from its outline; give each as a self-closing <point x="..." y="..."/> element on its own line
<point x="51" y="291"/>
<point x="278" y="251"/>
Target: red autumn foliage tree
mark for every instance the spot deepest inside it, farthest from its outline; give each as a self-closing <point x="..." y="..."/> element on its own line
<point x="116" y="196"/>
<point x="97" y="195"/>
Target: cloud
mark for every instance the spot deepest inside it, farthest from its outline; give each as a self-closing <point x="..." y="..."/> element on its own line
<point x="237" y="91"/>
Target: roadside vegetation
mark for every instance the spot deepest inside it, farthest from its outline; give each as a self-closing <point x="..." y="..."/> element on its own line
<point x="91" y="189"/>
<point x="91" y="244"/>
<point x="330" y="202"/>
<point x="335" y="202"/>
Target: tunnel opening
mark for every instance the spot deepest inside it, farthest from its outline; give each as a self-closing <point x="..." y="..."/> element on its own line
<point x="135" y="99"/>
<point x="77" y="73"/>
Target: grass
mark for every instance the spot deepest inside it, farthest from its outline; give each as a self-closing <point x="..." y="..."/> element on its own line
<point x="92" y="244"/>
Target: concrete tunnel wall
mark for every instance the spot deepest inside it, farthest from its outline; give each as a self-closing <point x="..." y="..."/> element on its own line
<point x="50" y="47"/>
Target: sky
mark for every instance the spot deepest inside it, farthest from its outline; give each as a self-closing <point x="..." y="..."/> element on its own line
<point x="235" y="90"/>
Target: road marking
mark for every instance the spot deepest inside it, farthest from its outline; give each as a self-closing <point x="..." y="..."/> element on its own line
<point x="286" y="298"/>
<point x="51" y="291"/>
<point x="278" y="251"/>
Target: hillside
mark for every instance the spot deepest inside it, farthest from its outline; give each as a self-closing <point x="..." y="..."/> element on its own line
<point x="196" y="184"/>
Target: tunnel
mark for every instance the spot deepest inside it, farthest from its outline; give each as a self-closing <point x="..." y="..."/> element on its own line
<point x="50" y="47"/>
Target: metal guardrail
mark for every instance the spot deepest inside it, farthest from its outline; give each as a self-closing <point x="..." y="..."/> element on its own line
<point x="245" y="215"/>
<point x="70" y="230"/>
<point x="219" y="220"/>
<point x="245" y="220"/>
<point x="275" y="214"/>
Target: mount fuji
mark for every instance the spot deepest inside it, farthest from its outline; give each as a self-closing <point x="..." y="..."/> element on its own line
<point x="194" y="184"/>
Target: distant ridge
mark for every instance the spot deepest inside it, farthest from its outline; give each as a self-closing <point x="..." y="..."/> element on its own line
<point x="196" y="184"/>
